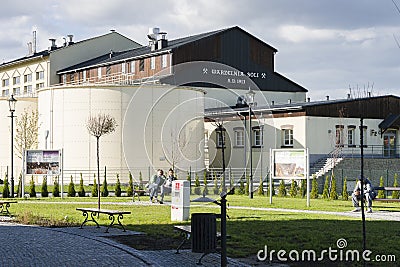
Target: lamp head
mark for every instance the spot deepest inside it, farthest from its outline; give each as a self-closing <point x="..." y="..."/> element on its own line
<point x="11" y="103"/>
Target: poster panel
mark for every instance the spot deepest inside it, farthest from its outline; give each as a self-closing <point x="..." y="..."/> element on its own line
<point x="289" y="164"/>
<point x="43" y="162"/>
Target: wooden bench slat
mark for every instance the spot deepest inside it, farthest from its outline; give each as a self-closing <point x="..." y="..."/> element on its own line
<point x="387" y="199"/>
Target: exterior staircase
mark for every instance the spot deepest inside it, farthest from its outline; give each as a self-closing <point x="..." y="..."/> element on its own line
<point x="326" y="163"/>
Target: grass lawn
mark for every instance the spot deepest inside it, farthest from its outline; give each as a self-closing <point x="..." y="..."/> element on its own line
<point x="250" y="230"/>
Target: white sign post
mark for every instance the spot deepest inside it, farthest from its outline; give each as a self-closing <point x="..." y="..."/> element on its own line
<point x="289" y="164"/>
<point x="180" y="200"/>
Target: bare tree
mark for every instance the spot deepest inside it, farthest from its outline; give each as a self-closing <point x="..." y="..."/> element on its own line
<point x="99" y="125"/>
<point x="27" y="129"/>
<point x="179" y="142"/>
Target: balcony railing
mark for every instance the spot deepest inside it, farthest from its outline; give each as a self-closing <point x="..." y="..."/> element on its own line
<point x="371" y="151"/>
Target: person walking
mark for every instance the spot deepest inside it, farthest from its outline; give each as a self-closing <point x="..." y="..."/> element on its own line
<point x="157" y="181"/>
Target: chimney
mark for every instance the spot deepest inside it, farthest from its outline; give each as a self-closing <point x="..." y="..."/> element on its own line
<point x="348" y="96"/>
<point x="369" y="94"/>
<point x="327" y="98"/>
<point x="70" y="36"/>
<point x="272" y="103"/>
<point x="30" y="51"/>
<point x="111" y="53"/>
<point x="308" y="99"/>
<point x="289" y="101"/>
<point x="34" y="42"/>
<point x="162" y="41"/>
<point x="53" y="44"/>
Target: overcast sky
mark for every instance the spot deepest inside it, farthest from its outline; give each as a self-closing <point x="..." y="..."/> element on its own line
<point x="326" y="46"/>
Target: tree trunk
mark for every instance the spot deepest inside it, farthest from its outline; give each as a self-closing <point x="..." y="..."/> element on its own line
<point x="98" y="171"/>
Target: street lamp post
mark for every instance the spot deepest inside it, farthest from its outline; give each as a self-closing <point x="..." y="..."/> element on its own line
<point x="250" y="101"/>
<point x="11" y="103"/>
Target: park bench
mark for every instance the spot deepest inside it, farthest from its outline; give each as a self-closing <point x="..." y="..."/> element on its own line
<point x="111" y="215"/>
<point x="386" y="188"/>
<point x="138" y="191"/>
<point x="4" y="205"/>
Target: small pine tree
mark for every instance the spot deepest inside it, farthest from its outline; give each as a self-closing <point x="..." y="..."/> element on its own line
<point x="293" y="189"/>
<point x="71" y="189"/>
<point x="118" y="187"/>
<point x="334" y="194"/>
<point x="19" y="187"/>
<point x="140" y="182"/>
<point x="6" y="188"/>
<point x="282" y="189"/>
<point x="325" y="192"/>
<point x="260" y="190"/>
<point x="32" y="190"/>
<point x="345" y="194"/>
<point x="381" y="193"/>
<point x="104" y="188"/>
<point x="241" y="190"/>
<point x="231" y="181"/>
<point x="129" y="191"/>
<point x="395" y="194"/>
<point x="205" y="190"/>
<point x="303" y="188"/>
<point x="56" y="188"/>
<point x="197" y="185"/>
<point x="44" y="192"/>
<point x="94" y="188"/>
<point x="216" y="189"/>
<point x="269" y="189"/>
<point x="314" y="188"/>
<point x="188" y="177"/>
<point x="247" y="191"/>
<point x="81" y="191"/>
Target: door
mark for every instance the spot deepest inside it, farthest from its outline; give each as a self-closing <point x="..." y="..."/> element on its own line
<point x="389" y="144"/>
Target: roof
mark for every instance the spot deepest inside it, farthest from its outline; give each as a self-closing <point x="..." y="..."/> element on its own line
<point x="145" y="51"/>
<point x="392" y="120"/>
<point x="25" y="58"/>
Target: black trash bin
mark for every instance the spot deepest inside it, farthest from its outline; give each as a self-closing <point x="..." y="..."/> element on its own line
<point x="204" y="232"/>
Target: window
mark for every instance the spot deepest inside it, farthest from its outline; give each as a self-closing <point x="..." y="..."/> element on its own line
<point x="141" y="65"/>
<point x="339" y="136"/>
<point x="16" y="80"/>
<point x="28" y="89"/>
<point x="5" y="92"/>
<point x="39" y="75"/>
<point x="16" y="91"/>
<point x="28" y="78"/>
<point x="164" y="59"/>
<point x="72" y="77"/>
<point x="6" y="82"/>
<point x="239" y="137"/>
<point x="133" y="66"/>
<point x="108" y="71"/>
<point x="351" y="135"/>
<point x="39" y="85"/>
<point x="287" y="137"/>
<point x="84" y="75"/>
<point x="153" y="63"/>
<point x="123" y="66"/>
<point x="257" y="136"/>
<point x="99" y="72"/>
<point x="64" y="78"/>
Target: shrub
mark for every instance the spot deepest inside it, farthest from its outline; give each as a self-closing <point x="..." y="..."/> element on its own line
<point x="45" y="192"/>
<point x="314" y="188"/>
<point x="19" y="187"/>
<point x="395" y="194"/>
<point x="260" y="190"/>
<point x="293" y="189"/>
<point x="345" y="194"/>
<point x="216" y="189"/>
<point x="56" y="188"/>
<point x="241" y="187"/>
<point x="381" y="193"/>
<point x="197" y="185"/>
<point x="269" y="189"/>
<point x="32" y="191"/>
<point x="282" y="189"/>
<point x="6" y="188"/>
<point x="325" y="192"/>
<point x="95" y="190"/>
<point x="140" y="182"/>
<point x="205" y="190"/>
<point x="303" y="188"/>
<point x="71" y="189"/>
<point x="129" y="191"/>
<point x="334" y="194"/>
<point x="247" y="191"/>
<point x="104" y="188"/>
<point x="117" y="189"/>
<point x="81" y="191"/>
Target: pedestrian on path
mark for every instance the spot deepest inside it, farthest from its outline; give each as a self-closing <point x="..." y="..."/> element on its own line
<point x="369" y="194"/>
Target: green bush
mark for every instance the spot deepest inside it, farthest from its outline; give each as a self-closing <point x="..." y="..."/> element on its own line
<point x="314" y="188"/>
<point x="381" y="193"/>
<point x="19" y="187"/>
<point x="260" y="190"/>
<point x="395" y="194"/>
<point x="345" y="194"/>
<point x="334" y="194"/>
<point x="325" y="192"/>
<point x="32" y="191"/>
<point x="247" y="190"/>
<point x="71" y="189"/>
<point x="216" y="188"/>
<point x="293" y="189"/>
<point x="197" y="185"/>
<point x="303" y="188"/>
<point x="269" y="189"/>
<point x="95" y="190"/>
<point x="44" y="192"/>
<point x="282" y="189"/>
<point x="140" y="181"/>
<point x="81" y="190"/>
<point x="117" y="189"/>
<point x="56" y="188"/>
<point x="205" y="190"/>
<point x="104" y="188"/>
<point x="6" y="188"/>
<point x="129" y="191"/>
